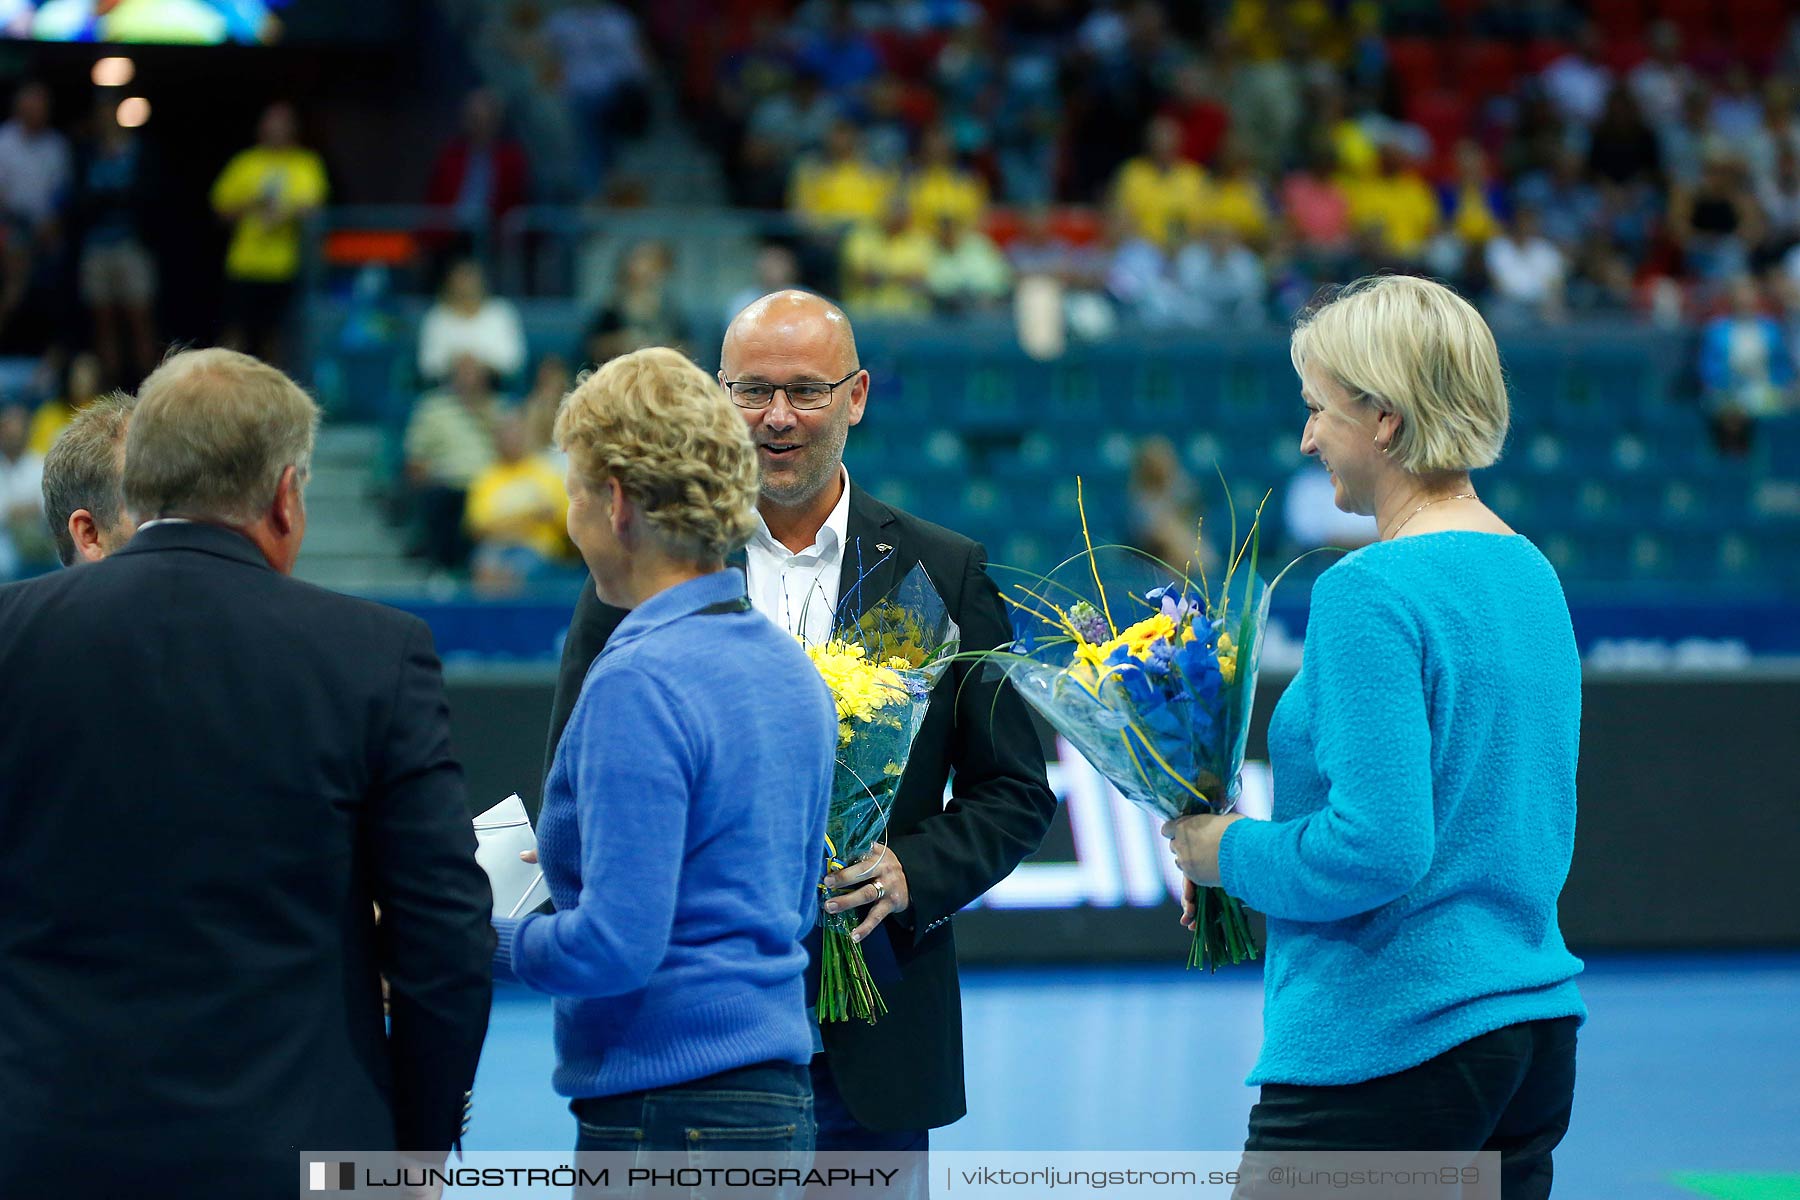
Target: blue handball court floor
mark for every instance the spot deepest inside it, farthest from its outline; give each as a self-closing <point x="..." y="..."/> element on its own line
<point x="1689" y="1071"/>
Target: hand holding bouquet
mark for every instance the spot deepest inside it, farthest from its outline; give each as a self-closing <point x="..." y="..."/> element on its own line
<point x="880" y="668"/>
<point x="1159" y="703"/>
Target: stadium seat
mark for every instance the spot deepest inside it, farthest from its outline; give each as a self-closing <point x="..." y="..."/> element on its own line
<point x="906" y="54"/>
<point x="1617" y="20"/>
<point x="1485" y="68"/>
<point x="1741" y="559"/>
<point x="939" y="387"/>
<point x="1781" y="560"/>
<point x="1780" y="437"/>
<point x="991" y="399"/>
<point x="1417" y="62"/>
<point x="1722" y="502"/>
<point x="1002" y="225"/>
<point x="1588" y="453"/>
<point x="944" y="450"/>
<point x="1640" y="500"/>
<point x="1651" y="557"/>
<point x="1601" y="396"/>
<point x="1766" y="17"/>
<point x="1443" y="115"/>
<point x="1677" y="446"/>
<point x="983" y="500"/>
<point x="1692" y="555"/>
<point x="1623" y="54"/>
<point x="895" y="491"/>
<point x="1556" y="501"/>
<point x="1254" y="390"/>
<point x="1512" y="498"/>
<point x="1538" y="454"/>
<point x="1693" y="17"/>
<point x="1541" y="53"/>
<point x="1076" y="225"/>
<point x="1604" y="555"/>
<point x="1074" y="394"/>
<point x="1629" y="455"/>
<point x="1534" y="384"/>
<point x="1028" y="551"/>
<point x="1158" y="398"/>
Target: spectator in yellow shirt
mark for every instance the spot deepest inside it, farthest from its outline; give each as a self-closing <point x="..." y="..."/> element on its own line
<point x="1260" y="29"/>
<point x="885" y="267"/>
<point x="1473" y="203"/>
<point x="942" y="190"/>
<point x="1160" y="186"/>
<point x="517" y="515"/>
<point x="81" y="385"/>
<point x="266" y="193"/>
<point x="1347" y="139"/>
<point x="1235" y="201"/>
<point x="844" y="188"/>
<point x="1397" y="205"/>
<point x="967" y="270"/>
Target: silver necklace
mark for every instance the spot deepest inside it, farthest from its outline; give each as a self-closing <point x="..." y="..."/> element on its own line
<point x="1415" y="512"/>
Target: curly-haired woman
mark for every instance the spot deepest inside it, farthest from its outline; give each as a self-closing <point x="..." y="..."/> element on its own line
<point x="685" y="810"/>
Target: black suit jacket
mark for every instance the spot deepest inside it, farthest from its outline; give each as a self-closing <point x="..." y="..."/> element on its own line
<point x="208" y="774"/>
<point x="906" y="1070"/>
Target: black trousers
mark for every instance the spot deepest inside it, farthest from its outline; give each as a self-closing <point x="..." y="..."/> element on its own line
<point x="1509" y="1091"/>
<point x="446" y="541"/>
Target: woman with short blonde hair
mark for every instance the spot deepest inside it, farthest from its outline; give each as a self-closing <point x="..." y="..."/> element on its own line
<point x="1418" y="350"/>
<point x="684" y="812"/>
<point x="1419" y="995"/>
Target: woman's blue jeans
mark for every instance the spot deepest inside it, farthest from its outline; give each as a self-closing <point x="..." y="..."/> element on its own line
<point x="765" y="1110"/>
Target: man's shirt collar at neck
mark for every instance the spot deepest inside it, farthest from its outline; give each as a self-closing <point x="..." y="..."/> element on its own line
<point x="830" y="539"/>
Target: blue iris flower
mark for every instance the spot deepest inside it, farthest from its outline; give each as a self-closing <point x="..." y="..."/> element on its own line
<point x="1024" y="634"/>
<point x="1173" y="602"/>
<point x="1140" y="685"/>
<point x="1198" y="664"/>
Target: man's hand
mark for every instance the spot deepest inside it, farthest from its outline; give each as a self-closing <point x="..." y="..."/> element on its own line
<point x="529" y="856"/>
<point x="1196" y="844"/>
<point x="877" y="879"/>
<point x="1190" y="903"/>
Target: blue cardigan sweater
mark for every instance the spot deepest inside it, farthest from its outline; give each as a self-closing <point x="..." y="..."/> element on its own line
<point x="1424" y="766"/>
<point x="682" y="837"/>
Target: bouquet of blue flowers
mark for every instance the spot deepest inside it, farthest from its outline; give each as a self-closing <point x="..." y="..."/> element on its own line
<point x="880" y="668"/>
<point x="1156" y="694"/>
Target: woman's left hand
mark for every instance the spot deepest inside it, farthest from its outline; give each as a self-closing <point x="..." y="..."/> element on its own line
<point x="1195" y="841"/>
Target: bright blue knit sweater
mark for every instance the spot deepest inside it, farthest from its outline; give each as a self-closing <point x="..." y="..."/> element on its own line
<point x="1424" y="766"/>
<point x="682" y="836"/>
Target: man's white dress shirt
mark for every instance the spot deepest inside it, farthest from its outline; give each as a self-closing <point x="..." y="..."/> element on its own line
<point x="799" y="592"/>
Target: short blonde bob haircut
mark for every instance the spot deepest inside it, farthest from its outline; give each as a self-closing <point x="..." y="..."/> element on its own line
<point x="666" y="431"/>
<point x="1416" y="349"/>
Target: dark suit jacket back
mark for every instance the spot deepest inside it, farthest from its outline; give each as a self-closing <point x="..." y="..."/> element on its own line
<point x="905" y="1072"/>
<point x="208" y="774"/>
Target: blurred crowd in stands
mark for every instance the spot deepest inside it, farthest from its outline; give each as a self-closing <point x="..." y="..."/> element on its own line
<point x="1203" y="166"/>
<point x="1614" y="157"/>
<point x="1176" y="166"/>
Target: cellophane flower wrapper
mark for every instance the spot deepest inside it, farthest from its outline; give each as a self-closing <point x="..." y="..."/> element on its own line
<point x="881" y="668"/>
<point x="1157" y="697"/>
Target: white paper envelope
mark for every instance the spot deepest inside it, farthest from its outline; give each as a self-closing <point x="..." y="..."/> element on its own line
<point x="500" y="833"/>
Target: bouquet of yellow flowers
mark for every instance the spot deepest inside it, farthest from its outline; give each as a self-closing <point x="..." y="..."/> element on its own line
<point x="880" y="668"/>
<point x="1160" y="705"/>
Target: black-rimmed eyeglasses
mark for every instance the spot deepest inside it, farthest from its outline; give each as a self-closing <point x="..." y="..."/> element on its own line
<point x="802" y="395"/>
